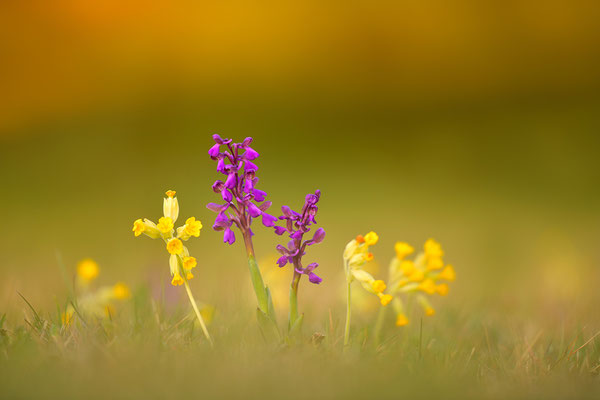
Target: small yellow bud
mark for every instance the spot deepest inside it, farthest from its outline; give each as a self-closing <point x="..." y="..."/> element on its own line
<point x="428" y="286"/>
<point x="408" y="267"/>
<point x="429" y="311"/>
<point x="403" y="249"/>
<point x="447" y="273"/>
<point x="369" y="256"/>
<point x="401" y="320"/>
<point x="138" y="227"/>
<point x="121" y="291"/>
<point x="189" y="276"/>
<point x="371" y="238"/>
<point x="87" y="270"/>
<point x="174" y="246"/>
<point x="171" y="208"/>
<point x="165" y="225"/>
<point x="442" y="289"/>
<point x="385" y="299"/>
<point x="379" y="286"/>
<point x="360" y="239"/>
<point x="170" y="193"/>
<point x="192" y="227"/>
<point x="189" y="262"/>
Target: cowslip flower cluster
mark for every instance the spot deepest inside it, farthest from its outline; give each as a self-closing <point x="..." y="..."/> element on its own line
<point x="356" y="255"/>
<point x="180" y="261"/>
<point x="425" y="275"/>
<point x="98" y="302"/>
<point x="239" y="190"/>
<point x="296" y="225"/>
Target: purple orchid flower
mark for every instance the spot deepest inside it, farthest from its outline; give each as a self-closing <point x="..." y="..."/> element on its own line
<point x="241" y="197"/>
<point x="297" y="225"/>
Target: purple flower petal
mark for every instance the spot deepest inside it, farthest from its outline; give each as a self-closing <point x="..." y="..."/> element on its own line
<point x="246" y="142"/>
<point x="259" y="195"/>
<point x="229" y="236"/>
<point x="268" y="220"/>
<point x="265" y="206"/>
<point x="282" y="261"/>
<point x="214" y="151"/>
<point x="319" y="235"/>
<point x="314" y="278"/>
<point x="227" y="196"/>
<point x="280" y="230"/>
<point x="250" y="166"/>
<point x="217" y="187"/>
<point x="214" y="207"/>
<point x="221" y="165"/>
<point x="253" y="210"/>
<point x="250" y="154"/>
<point x="297" y="235"/>
<point x="311" y="267"/>
<point x="231" y="180"/>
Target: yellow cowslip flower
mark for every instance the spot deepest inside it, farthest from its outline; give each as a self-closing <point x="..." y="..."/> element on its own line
<point x="138" y="227"/>
<point x="165" y="225"/>
<point x="175" y="246"/>
<point x="87" y="270"/>
<point x="385" y="299"/>
<point x="401" y="320"/>
<point x="171" y="206"/>
<point x="191" y="228"/>
<point x="121" y="291"/>
<point x="177" y="279"/>
<point x="189" y="276"/>
<point x="420" y="276"/>
<point x="403" y="249"/>
<point x="371" y="238"/>
<point x="428" y="286"/>
<point x="447" y="273"/>
<point x="442" y="289"/>
<point x="189" y="262"/>
<point x="378" y="286"/>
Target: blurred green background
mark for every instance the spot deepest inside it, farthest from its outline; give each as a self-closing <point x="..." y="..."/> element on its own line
<point x="475" y="123"/>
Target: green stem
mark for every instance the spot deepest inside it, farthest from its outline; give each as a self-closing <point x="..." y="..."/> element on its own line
<point x="255" y="276"/>
<point x="348" y="313"/>
<point x="294" y="300"/>
<point x="379" y="325"/>
<point x="195" y="307"/>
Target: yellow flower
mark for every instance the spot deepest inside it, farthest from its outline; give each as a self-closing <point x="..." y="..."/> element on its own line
<point x="121" y="291"/>
<point x="177" y="280"/>
<point x="385" y="299"/>
<point x="192" y="227"/>
<point x="171" y="206"/>
<point x="433" y="249"/>
<point x="170" y="193"/>
<point x="435" y="263"/>
<point x="403" y="249"/>
<point x="165" y="225"/>
<point x="87" y="270"/>
<point x="371" y="238"/>
<point x="175" y="246"/>
<point x="138" y="227"/>
<point x="189" y="276"/>
<point x="189" y="262"/>
<point x="416" y="275"/>
<point x="442" y="289"/>
<point x="408" y="267"/>
<point x="401" y="320"/>
<point x="429" y="311"/>
<point x="447" y="273"/>
<point x="379" y="286"/>
<point x="428" y="286"/>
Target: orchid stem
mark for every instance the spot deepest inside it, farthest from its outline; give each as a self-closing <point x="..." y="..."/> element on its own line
<point x="294" y="300"/>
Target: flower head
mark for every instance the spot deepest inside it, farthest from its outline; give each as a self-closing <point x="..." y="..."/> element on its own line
<point x="87" y="270"/>
<point x="420" y="276"/>
<point x="238" y="189"/>
<point x="296" y="225"/>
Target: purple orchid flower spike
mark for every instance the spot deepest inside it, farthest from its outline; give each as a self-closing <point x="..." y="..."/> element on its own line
<point x="297" y="224"/>
<point x="243" y="202"/>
